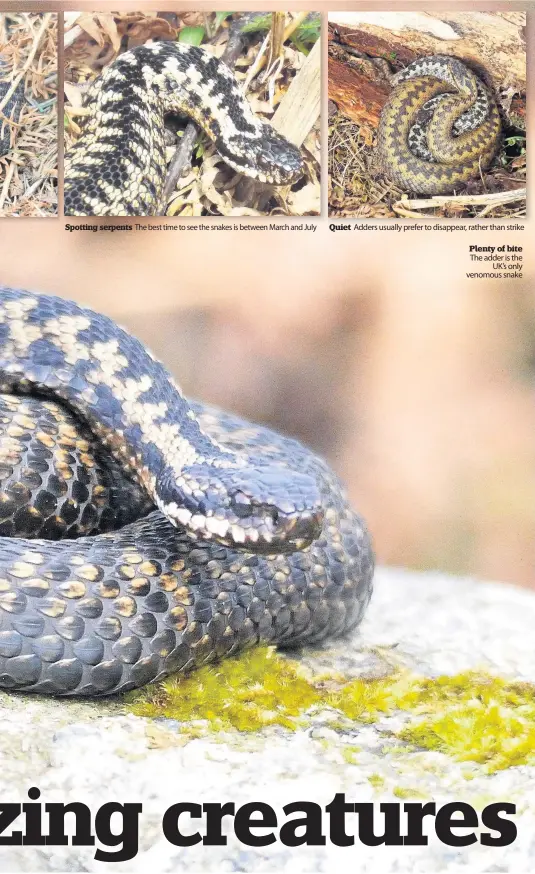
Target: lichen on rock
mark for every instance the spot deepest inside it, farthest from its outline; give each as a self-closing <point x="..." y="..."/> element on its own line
<point x="470" y="716"/>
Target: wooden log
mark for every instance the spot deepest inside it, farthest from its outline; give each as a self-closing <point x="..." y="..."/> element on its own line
<point x="492" y="41"/>
<point x="300" y="107"/>
<point x="355" y="95"/>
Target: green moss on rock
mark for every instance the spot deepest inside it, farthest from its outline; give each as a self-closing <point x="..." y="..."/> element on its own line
<point x="471" y="717"/>
<point x="350" y="754"/>
<point x="477" y="718"/>
<point x="257" y="689"/>
<point x="377" y="781"/>
<point x="406" y="792"/>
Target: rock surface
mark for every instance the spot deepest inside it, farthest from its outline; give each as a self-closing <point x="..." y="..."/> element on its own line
<point x="429" y="623"/>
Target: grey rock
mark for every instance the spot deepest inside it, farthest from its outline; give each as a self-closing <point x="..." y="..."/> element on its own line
<point x="429" y="623"/>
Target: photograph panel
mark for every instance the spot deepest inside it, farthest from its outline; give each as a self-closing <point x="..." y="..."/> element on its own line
<point x="28" y="114"/>
<point x="192" y="114"/>
<point x="428" y="114"/>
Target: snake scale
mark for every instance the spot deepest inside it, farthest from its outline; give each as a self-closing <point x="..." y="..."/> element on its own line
<point x="117" y="166"/>
<point x="143" y="534"/>
<point x="439" y="127"/>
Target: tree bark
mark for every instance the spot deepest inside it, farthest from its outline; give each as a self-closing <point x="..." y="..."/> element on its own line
<point x="493" y="44"/>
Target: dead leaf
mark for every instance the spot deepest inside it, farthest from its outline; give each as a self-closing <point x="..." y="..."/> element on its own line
<point x="306" y="201"/>
<point x="107" y="22"/>
<point x="88" y="21"/>
<point x="243" y="210"/>
<point x="74" y="95"/>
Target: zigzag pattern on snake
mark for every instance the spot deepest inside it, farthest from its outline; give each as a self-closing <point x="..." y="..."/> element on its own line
<point x="439" y="128"/>
<point x="252" y="539"/>
<point x="117" y="166"/>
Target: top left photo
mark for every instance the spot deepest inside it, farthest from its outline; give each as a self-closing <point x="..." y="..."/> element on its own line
<point x="28" y="114"/>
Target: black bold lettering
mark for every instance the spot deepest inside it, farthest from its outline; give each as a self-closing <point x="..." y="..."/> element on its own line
<point x="392" y="831"/>
<point x="312" y="835"/>
<point x="127" y="838"/>
<point x="8" y="815"/>
<point x="244" y="822"/>
<point x="214" y="816"/>
<point x="337" y="810"/>
<point x="170" y="824"/>
<point x="33" y="835"/>
<point x="506" y="829"/>
<point x="444" y="823"/>
<point x="83" y="836"/>
<point x="415" y="814"/>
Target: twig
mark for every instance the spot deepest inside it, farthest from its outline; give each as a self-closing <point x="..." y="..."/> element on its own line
<point x="72" y="35"/>
<point x="490" y="206"/>
<point x="261" y="60"/>
<point x="257" y="64"/>
<point x="7" y="183"/>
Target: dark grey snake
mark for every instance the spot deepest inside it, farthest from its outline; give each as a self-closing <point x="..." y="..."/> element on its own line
<point x="253" y="539"/>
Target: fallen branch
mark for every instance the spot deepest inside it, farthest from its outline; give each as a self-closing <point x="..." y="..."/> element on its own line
<point x="489" y="201"/>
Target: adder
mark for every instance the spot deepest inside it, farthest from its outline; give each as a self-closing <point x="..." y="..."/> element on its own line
<point x="439" y="128"/>
<point x="117" y="166"/>
<point x="144" y="534"/>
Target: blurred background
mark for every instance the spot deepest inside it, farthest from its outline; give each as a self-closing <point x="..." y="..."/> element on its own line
<point x="372" y="347"/>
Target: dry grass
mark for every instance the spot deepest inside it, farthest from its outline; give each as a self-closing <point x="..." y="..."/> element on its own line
<point x="206" y="186"/>
<point x="357" y="188"/>
<point x="28" y="173"/>
<point x="355" y="185"/>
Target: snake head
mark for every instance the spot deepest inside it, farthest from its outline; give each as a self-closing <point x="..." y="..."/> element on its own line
<point x="267" y="509"/>
<point x="278" y="160"/>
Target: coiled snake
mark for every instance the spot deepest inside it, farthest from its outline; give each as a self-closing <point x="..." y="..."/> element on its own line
<point x="439" y="127"/>
<point x="253" y="538"/>
<point x="117" y="166"/>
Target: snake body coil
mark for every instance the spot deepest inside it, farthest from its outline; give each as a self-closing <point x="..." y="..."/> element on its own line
<point x="117" y="166"/>
<point x="439" y="127"/>
<point x="252" y="540"/>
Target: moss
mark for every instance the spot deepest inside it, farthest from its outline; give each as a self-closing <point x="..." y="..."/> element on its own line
<point x="405" y="792"/>
<point x="476" y="718"/>
<point x="366" y="700"/>
<point x="350" y="754"/>
<point x="471" y="717"/>
<point x="376" y="780"/>
<point x="247" y="693"/>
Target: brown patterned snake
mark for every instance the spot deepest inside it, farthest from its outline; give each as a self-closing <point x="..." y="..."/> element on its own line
<point x="439" y="127"/>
